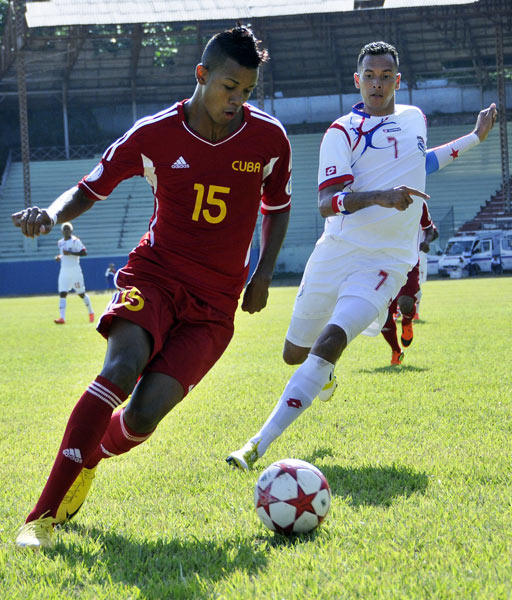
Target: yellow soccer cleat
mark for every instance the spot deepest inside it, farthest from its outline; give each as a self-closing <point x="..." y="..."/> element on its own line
<point x="36" y="534"/>
<point x="329" y="388"/>
<point x="76" y="495"/>
<point x="244" y="458"/>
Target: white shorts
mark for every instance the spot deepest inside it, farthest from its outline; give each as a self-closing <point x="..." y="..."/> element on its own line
<point x="71" y="279"/>
<point x="344" y="286"/>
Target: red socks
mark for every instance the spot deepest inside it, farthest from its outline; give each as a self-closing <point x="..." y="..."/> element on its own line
<point x="389" y="333"/>
<point x="118" y="439"/>
<point x="84" y="431"/>
<point x="407" y="319"/>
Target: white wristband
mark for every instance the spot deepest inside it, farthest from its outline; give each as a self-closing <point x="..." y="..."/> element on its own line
<point x="337" y="203"/>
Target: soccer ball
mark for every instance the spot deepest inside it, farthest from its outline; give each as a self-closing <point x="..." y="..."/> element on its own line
<point x="292" y="496"/>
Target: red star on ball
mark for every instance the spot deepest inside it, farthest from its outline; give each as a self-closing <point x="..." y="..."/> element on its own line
<point x="265" y="498"/>
<point x="454" y="153"/>
<point x="302" y="502"/>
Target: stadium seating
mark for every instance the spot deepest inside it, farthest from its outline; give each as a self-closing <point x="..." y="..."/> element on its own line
<point x="113" y="227"/>
<point x="470" y="181"/>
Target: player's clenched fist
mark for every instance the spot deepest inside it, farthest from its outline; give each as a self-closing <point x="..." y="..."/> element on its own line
<point x="32" y="221"/>
<point x="485" y="121"/>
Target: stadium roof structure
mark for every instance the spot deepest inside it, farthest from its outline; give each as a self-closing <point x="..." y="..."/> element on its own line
<point x="123" y="51"/>
<point x="99" y="12"/>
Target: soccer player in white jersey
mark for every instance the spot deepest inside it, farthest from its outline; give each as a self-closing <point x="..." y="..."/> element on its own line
<point x="372" y="170"/>
<point x="70" y="274"/>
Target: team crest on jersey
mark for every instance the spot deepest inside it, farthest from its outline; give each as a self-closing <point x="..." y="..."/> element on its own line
<point x="330" y="170"/>
<point x="421" y="145"/>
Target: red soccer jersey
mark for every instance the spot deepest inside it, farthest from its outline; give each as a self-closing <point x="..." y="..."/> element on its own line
<point x="206" y="196"/>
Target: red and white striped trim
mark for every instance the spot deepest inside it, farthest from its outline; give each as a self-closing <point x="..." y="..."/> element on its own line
<point x="92" y="191"/>
<point x="272" y="208"/>
<point x="164" y="114"/>
<point x="259" y="114"/>
<point x="103" y="393"/>
<point x="129" y="436"/>
<point x="106" y="452"/>
<point x="341" y="128"/>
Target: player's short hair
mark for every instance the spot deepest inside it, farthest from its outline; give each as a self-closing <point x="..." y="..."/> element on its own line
<point x="66" y="225"/>
<point x="238" y="43"/>
<point x="374" y="48"/>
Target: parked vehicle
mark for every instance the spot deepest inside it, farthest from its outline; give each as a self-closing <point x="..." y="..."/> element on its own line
<point x="470" y="254"/>
<point x="433" y="259"/>
<point x="506" y="251"/>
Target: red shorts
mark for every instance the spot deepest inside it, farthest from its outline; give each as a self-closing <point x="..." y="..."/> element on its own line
<point x="189" y="335"/>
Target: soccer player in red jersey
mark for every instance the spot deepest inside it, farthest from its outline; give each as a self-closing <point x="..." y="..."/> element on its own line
<point x="212" y="162"/>
<point x="408" y="295"/>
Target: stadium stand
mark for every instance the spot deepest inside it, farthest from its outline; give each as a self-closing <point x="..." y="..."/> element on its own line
<point x="468" y="183"/>
<point x="111" y="227"/>
<point x="492" y="215"/>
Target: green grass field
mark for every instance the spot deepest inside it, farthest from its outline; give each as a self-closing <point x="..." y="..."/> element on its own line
<point x="418" y="458"/>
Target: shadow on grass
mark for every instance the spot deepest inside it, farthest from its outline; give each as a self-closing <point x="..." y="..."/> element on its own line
<point x="163" y="568"/>
<point x="394" y="369"/>
<point x="373" y="485"/>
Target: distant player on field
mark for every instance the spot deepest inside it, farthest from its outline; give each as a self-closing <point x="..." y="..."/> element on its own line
<point x="213" y="162"/>
<point x="110" y="274"/>
<point x="70" y="274"/>
<point x="407" y="297"/>
<point x="371" y="182"/>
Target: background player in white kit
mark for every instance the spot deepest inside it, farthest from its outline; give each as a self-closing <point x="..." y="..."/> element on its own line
<point x="70" y="274"/>
<point x="372" y="171"/>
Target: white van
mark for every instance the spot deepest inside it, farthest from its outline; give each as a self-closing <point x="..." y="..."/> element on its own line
<point x="506" y="251"/>
<point x="471" y="253"/>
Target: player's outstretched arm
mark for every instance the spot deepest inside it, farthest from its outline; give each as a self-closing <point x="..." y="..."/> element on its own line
<point x="273" y="231"/>
<point x="34" y="221"/>
<point x="437" y="158"/>
<point x="335" y="201"/>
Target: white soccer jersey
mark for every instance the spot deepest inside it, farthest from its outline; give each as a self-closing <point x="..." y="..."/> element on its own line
<point x="74" y="244"/>
<point x="370" y="153"/>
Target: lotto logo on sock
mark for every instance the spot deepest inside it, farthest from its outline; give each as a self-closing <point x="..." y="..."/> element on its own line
<point x="73" y="454"/>
<point x="294" y="403"/>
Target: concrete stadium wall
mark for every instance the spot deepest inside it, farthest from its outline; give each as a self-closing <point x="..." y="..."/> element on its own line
<point x="433" y="97"/>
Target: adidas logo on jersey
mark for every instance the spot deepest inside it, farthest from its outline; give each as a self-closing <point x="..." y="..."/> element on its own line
<point x="73" y="454"/>
<point x="181" y="163"/>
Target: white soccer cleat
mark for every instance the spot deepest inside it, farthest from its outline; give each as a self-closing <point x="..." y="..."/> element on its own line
<point x="329" y="388"/>
<point x="244" y="458"/>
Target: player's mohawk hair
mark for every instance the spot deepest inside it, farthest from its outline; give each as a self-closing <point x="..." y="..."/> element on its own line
<point x="374" y="48"/>
<point x="238" y="43"/>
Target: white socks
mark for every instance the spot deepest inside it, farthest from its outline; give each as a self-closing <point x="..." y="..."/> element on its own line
<point x="298" y="395"/>
<point x="87" y="302"/>
<point x="62" y="308"/>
